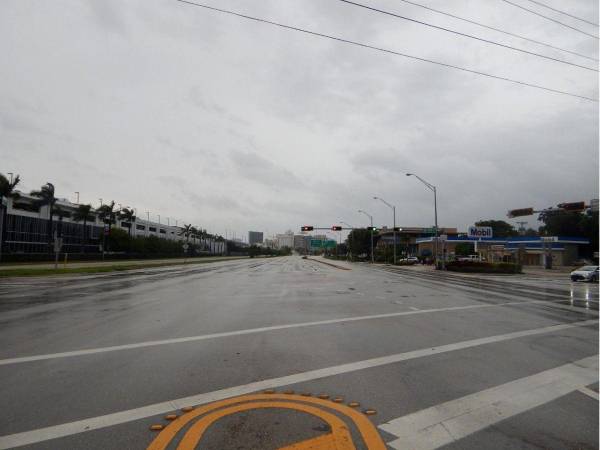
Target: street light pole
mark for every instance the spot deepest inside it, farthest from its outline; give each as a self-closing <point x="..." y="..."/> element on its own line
<point x="351" y="235"/>
<point x="371" y="218"/>
<point x="394" y="211"/>
<point x="77" y="197"/>
<point x="434" y="189"/>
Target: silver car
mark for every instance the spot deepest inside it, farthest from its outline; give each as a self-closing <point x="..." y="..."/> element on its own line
<point x="585" y="273"/>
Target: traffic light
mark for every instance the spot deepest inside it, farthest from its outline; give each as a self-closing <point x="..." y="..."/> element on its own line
<point x="307" y="228"/>
<point x="372" y="228"/>
<point x="520" y="212"/>
<point x="573" y="207"/>
<point x="336" y="228"/>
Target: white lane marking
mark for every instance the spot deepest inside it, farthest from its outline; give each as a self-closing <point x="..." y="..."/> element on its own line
<point x="80" y="426"/>
<point x="414" y="308"/>
<point x="589" y="392"/>
<point x="448" y="422"/>
<point x="90" y="351"/>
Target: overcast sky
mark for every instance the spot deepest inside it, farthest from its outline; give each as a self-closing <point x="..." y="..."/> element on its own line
<point x="236" y="125"/>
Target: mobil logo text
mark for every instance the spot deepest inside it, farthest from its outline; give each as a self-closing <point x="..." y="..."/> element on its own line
<point x="480" y="232"/>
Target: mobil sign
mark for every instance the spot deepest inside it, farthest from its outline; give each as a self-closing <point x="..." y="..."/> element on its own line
<point x="480" y="232"/>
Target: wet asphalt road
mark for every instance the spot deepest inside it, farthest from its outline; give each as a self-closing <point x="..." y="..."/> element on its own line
<point x="90" y="362"/>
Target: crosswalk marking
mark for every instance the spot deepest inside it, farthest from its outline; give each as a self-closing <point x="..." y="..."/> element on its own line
<point x="443" y="424"/>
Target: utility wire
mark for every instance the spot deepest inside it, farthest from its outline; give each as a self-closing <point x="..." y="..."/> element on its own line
<point x="562" y="12"/>
<point x="372" y="47"/>
<point x="551" y="19"/>
<point x="497" y="29"/>
<point x="487" y="41"/>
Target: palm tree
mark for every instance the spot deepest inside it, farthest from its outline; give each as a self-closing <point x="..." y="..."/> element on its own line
<point x="7" y="190"/>
<point x="46" y="198"/>
<point x="186" y="231"/>
<point x="108" y="215"/>
<point x="128" y="215"/>
<point x="195" y="233"/>
<point x="82" y="214"/>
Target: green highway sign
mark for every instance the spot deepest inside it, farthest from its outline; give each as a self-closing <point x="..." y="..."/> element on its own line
<point x="329" y="244"/>
<point x="316" y="243"/>
<point x="429" y="230"/>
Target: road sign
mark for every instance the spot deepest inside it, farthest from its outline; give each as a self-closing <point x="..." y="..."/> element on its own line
<point x="185" y="247"/>
<point x="549" y="238"/>
<point x="316" y="243"/>
<point x="429" y="230"/>
<point x="479" y="232"/>
<point x="329" y="244"/>
<point x="443" y="237"/>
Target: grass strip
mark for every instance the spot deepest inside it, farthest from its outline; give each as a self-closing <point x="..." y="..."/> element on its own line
<point x="48" y="271"/>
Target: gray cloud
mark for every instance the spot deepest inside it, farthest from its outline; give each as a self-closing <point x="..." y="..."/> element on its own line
<point x="254" y="167"/>
<point x="232" y="124"/>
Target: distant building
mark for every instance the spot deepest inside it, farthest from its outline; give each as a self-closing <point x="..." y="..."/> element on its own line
<point x="255" y="237"/>
<point x="301" y="242"/>
<point x="285" y="240"/>
<point x="26" y="229"/>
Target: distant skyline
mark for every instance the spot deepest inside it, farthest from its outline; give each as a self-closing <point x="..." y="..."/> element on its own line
<point x="235" y="125"/>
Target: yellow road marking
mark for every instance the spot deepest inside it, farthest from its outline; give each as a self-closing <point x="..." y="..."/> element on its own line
<point x="339" y="432"/>
<point x="367" y="430"/>
<point x="325" y="442"/>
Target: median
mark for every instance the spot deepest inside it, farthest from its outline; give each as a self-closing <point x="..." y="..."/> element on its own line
<point x="103" y="267"/>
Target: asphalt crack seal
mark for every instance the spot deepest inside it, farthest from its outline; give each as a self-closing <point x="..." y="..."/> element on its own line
<point x="196" y="421"/>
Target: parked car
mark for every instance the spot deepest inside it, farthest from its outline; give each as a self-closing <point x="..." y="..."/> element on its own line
<point x="476" y="258"/>
<point x="585" y="273"/>
<point x="410" y="260"/>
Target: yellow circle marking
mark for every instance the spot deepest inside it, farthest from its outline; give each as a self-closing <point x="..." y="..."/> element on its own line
<point x="341" y="436"/>
<point x="367" y="430"/>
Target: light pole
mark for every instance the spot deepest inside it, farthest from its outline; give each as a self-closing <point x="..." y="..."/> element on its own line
<point x="147" y="223"/>
<point x="77" y="201"/>
<point x="371" y="218"/>
<point x="11" y="176"/>
<point x="434" y="189"/>
<point x="351" y="235"/>
<point x="393" y="208"/>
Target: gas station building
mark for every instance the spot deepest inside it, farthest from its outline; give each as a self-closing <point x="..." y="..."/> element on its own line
<point x="528" y="250"/>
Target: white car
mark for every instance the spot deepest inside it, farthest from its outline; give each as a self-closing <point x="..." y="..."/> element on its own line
<point x="585" y="273"/>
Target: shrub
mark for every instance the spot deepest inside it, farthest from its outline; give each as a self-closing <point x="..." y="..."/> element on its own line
<point x="482" y="267"/>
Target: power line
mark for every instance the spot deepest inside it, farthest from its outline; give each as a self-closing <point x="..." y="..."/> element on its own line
<point x="498" y="29"/>
<point x="562" y="12"/>
<point x="551" y="19"/>
<point x="372" y="47"/>
<point x="487" y="41"/>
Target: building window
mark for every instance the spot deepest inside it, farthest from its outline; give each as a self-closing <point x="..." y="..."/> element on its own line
<point x="152" y="229"/>
<point x="140" y="227"/>
<point x="163" y="231"/>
